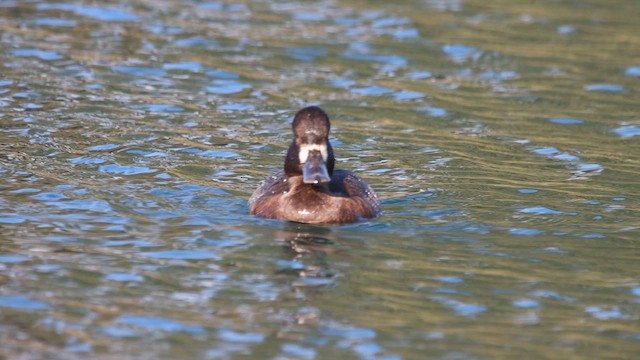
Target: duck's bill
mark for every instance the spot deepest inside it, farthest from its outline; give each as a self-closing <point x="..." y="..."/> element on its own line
<point x="314" y="170"/>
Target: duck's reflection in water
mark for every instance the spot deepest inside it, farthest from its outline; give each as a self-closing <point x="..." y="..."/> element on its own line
<point x="308" y="247"/>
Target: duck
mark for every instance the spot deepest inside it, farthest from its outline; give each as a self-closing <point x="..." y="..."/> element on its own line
<point x="309" y="189"/>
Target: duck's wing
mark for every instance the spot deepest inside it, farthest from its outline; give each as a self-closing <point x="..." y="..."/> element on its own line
<point x="350" y="185"/>
<point x="273" y="185"/>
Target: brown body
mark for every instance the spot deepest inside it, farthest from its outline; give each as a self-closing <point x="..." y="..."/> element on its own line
<point x="309" y="190"/>
<point x="345" y="199"/>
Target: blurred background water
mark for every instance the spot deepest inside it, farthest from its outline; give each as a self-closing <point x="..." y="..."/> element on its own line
<point x="502" y="138"/>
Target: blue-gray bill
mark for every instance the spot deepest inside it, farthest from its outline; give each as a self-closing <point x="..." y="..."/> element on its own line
<point x="314" y="170"/>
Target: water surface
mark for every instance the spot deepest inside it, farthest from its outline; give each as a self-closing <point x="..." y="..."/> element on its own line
<point x="502" y="139"/>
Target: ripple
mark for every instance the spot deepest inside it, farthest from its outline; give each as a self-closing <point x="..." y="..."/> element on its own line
<point x="224" y="243"/>
<point x="554" y="250"/>
<point x="26" y="94"/>
<point x="102" y="147"/>
<point x="352" y="333"/>
<point x="434" y="111"/>
<point x="182" y="255"/>
<point x="147" y="153"/>
<point x="126" y="170"/>
<point x="566" y="121"/>
<point x="499" y="75"/>
<point x="397" y="61"/>
<point x="25" y="191"/>
<point x="164" y="30"/>
<point x="12" y="219"/>
<point x="371" y="90"/>
<point x="399" y="33"/>
<point x="40" y="54"/>
<point x="590" y="167"/>
<point x="158" y="323"/>
<point x="184" y="66"/>
<point x="550" y="150"/>
<point x="525" y="232"/>
<point x="554" y="153"/>
<point x="136" y="243"/>
<point x="566" y="157"/>
<point x="227" y="87"/>
<point x="526" y="303"/>
<point x="22" y="303"/>
<point x="461" y="308"/>
<point x="123" y="277"/>
<point x="209" y="153"/>
<point x="370" y="350"/>
<point x="605" y="314"/>
<point x="299" y="352"/>
<point x="306" y="53"/>
<point x="94" y="12"/>
<point x="461" y="53"/>
<point x="390" y="21"/>
<point x="313" y="282"/>
<point x="444" y="5"/>
<point x="407" y="95"/>
<point x="236" y="107"/>
<point x="309" y="16"/>
<point x="291" y="264"/>
<point x="584" y="170"/>
<point x="418" y="75"/>
<point x="632" y="71"/>
<point x="541" y="210"/>
<point x="139" y="71"/>
<point x="49" y="268"/>
<point x="221" y="6"/>
<point x="160" y="108"/>
<point x="114" y="331"/>
<point x="342" y="83"/>
<point x="565" y="29"/>
<point x="528" y="191"/>
<point x="222" y="74"/>
<point x="627" y="131"/>
<point x="548" y="294"/>
<point x="605" y="88"/>
<point x="54" y="22"/>
<point x="31" y="106"/>
<point x="242" y="337"/>
<point x="13" y="259"/>
<point x="87" y="160"/>
<point x="450" y="279"/>
<point x="198" y="41"/>
<point x="48" y="196"/>
<point x="84" y="204"/>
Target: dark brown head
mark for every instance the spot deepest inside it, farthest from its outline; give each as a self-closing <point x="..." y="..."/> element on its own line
<point x="310" y="153"/>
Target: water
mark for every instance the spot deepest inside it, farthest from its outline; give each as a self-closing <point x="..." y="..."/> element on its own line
<point x="501" y="138"/>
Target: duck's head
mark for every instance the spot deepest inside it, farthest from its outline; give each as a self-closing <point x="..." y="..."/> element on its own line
<point x="310" y="153"/>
